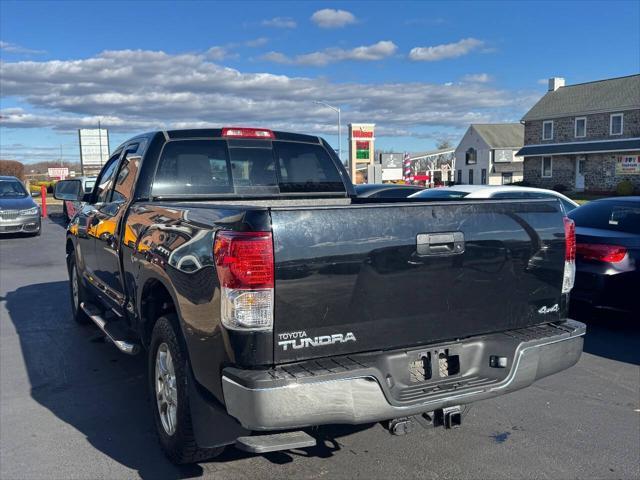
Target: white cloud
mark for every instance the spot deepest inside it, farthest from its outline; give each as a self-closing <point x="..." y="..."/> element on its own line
<point x="257" y="42"/>
<point x="216" y="53"/>
<point x="447" y="50"/>
<point x="477" y="78"/>
<point x="280" y="22"/>
<point x="135" y="90"/>
<point x="330" y="18"/>
<point x="13" y="48"/>
<point x="377" y="51"/>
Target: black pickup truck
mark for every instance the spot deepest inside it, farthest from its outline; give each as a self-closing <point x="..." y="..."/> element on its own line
<point x="269" y="297"/>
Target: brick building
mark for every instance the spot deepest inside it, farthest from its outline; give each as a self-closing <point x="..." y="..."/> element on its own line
<point x="584" y="136"/>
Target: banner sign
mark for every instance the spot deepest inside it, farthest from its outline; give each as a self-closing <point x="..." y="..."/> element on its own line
<point x="60" y="173"/>
<point x="628" y="165"/>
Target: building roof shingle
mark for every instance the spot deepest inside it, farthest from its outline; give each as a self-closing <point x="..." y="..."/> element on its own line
<point x="613" y="94"/>
<point x="501" y="135"/>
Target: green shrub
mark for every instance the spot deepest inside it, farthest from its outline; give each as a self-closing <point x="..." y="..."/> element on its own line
<point x="625" y="187"/>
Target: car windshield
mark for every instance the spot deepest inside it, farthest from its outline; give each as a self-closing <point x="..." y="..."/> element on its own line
<point x="609" y="215"/>
<point x="12" y="188"/>
<point x="442" y="193"/>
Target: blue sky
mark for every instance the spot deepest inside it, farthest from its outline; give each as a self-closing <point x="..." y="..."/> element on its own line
<point x="422" y="71"/>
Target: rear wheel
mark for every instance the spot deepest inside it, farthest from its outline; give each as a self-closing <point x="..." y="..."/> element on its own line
<point x="167" y="365"/>
<point x="78" y="294"/>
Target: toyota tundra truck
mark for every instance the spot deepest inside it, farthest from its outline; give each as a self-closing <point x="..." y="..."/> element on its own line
<point x="268" y="298"/>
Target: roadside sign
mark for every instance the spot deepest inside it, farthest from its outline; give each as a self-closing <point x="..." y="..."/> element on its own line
<point x="94" y="148"/>
<point x="58" y="172"/>
<point x="628" y="165"/>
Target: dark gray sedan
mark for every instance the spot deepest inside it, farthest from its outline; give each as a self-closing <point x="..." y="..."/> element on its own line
<point x="18" y="212"/>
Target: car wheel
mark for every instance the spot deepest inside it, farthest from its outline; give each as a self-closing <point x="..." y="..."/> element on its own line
<point x="77" y="292"/>
<point x="167" y="364"/>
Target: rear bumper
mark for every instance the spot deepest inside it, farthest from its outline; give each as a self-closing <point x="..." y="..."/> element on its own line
<point x="302" y="395"/>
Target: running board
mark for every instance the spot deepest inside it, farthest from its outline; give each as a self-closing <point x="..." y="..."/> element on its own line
<point x="275" y="442"/>
<point x="94" y="314"/>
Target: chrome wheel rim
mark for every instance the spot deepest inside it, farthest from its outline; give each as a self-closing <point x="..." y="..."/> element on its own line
<point x="166" y="389"/>
<point x="74" y="287"/>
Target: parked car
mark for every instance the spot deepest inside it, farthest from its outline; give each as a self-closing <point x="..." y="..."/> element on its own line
<point x="608" y="254"/>
<point x="498" y="191"/>
<point x="18" y="212"/>
<point x="386" y="190"/>
<point x="69" y="208"/>
<point x="269" y="297"/>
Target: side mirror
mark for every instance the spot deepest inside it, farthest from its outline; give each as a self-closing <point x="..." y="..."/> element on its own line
<point x="68" y="190"/>
<point x="35" y="193"/>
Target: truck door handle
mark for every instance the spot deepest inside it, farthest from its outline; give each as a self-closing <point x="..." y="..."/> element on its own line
<point x="439" y="244"/>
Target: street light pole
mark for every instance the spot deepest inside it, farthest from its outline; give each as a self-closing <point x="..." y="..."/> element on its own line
<point x="335" y="109"/>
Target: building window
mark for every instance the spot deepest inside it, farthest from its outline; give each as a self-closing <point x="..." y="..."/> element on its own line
<point x="581" y="127"/>
<point x="470" y="177"/>
<point x="547" y="130"/>
<point x="616" y="123"/>
<point x="483" y="176"/>
<point x="459" y="177"/>
<point x="547" y="167"/>
<point x="507" y="178"/>
<point x="471" y="157"/>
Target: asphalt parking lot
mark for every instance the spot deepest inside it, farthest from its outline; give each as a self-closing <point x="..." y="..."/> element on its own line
<point x="71" y="406"/>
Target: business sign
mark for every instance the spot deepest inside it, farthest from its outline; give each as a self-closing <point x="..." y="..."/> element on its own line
<point x="628" y="165"/>
<point x="60" y="172"/>
<point x="502" y="156"/>
<point x="361" y="146"/>
<point x="391" y="160"/>
<point x="94" y="148"/>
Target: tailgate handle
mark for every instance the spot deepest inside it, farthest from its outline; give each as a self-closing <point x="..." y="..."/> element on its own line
<point x="434" y="244"/>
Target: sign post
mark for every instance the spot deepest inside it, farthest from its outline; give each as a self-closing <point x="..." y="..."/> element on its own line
<point x="94" y="149"/>
<point x="361" y="148"/>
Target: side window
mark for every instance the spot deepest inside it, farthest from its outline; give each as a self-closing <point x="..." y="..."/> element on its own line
<point x="105" y="182"/>
<point x="123" y="188"/>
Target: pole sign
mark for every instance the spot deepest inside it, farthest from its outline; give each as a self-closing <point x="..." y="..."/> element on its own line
<point x="60" y="172"/>
<point x="94" y="149"/>
<point x="361" y="147"/>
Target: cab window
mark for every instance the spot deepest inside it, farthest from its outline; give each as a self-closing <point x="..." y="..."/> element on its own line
<point x="105" y="182"/>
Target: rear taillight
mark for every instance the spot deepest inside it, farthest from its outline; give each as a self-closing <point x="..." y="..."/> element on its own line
<point x="241" y="132"/>
<point x="569" y="255"/>
<point x="601" y="253"/>
<point x="244" y="263"/>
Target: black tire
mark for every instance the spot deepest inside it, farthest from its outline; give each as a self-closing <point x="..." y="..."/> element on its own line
<point x="78" y="313"/>
<point x="180" y="446"/>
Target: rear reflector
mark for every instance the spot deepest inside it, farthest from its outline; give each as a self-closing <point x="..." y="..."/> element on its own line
<point x="244" y="263"/>
<point x="569" y="255"/>
<point x="601" y="253"/>
<point x="240" y="132"/>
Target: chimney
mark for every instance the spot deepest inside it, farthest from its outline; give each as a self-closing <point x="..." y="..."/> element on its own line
<point x="555" y="83"/>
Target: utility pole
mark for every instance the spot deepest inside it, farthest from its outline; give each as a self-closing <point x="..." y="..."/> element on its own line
<point x="337" y="110"/>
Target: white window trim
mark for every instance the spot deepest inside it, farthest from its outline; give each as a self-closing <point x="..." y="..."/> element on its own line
<point x="575" y="127"/>
<point x="543" y="124"/>
<point x="550" y="167"/>
<point x="621" y="115"/>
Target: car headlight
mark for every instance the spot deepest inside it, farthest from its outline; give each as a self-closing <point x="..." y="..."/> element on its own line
<point x="29" y="211"/>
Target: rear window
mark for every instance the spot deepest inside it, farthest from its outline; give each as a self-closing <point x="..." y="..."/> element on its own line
<point x="245" y="167"/>
<point x="611" y="215"/>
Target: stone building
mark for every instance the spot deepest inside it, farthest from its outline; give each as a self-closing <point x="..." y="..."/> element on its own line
<point x="584" y="136"/>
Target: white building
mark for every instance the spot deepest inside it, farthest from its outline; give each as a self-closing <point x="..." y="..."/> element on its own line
<point x="486" y="155"/>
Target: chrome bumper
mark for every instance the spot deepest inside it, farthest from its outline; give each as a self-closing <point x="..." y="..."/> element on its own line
<point x="361" y="399"/>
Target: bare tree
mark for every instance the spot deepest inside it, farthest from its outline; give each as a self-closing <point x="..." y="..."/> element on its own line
<point x="12" y="168"/>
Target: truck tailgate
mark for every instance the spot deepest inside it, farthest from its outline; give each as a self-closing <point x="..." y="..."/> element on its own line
<point x="381" y="276"/>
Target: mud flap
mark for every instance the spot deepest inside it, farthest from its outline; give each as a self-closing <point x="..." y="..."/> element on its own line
<point x="212" y="425"/>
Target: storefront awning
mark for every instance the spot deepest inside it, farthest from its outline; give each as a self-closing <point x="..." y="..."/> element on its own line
<point x="577" y="148"/>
